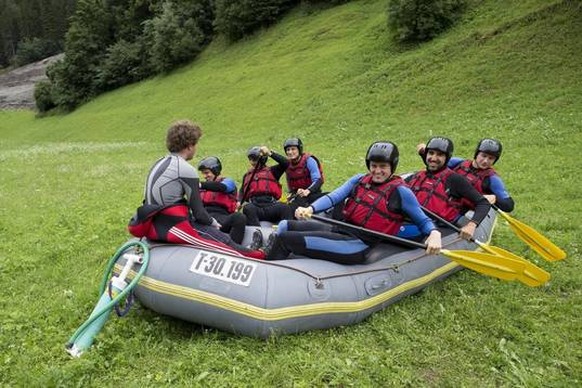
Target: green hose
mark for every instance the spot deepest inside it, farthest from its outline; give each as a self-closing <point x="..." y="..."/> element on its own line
<point x="105" y="280"/>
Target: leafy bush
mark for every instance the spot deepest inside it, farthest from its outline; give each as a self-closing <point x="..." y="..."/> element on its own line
<point x="422" y="20"/>
<point x="61" y="94"/>
<point x="124" y="63"/>
<point x="237" y="18"/>
<point x="43" y="96"/>
<point x="32" y="50"/>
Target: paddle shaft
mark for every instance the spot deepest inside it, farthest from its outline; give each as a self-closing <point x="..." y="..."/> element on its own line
<point x="389" y="237"/>
<point x="484" y="263"/>
<point x="445" y="222"/>
<point x="455" y="228"/>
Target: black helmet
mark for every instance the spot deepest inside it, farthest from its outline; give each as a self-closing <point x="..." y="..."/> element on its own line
<point x="293" y="142"/>
<point x="489" y="146"/>
<point x="254" y="154"/>
<point x="383" y="152"/>
<point x="442" y="144"/>
<point x="211" y="163"/>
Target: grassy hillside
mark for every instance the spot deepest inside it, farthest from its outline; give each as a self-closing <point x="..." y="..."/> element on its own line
<point x="511" y="70"/>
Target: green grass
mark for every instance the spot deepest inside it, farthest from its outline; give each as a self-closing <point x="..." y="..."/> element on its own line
<point x="68" y="185"/>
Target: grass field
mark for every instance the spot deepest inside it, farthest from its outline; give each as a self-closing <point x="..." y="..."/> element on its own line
<point x="510" y="70"/>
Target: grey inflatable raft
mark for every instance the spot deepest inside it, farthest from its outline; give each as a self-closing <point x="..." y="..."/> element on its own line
<point x="260" y="298"/>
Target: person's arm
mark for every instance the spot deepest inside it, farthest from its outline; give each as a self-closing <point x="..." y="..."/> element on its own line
<point x="461" y="188"/>
<point x="338" y="195"/>
<point x="280" y="167"/>
<point x="330" y="199"/>
<point x="454" y="162"/>
<point x="213" y="186"/>
<point x="503" y="200"/>
<point x="314" y="174"/>
<point x="410" y="206"/>
<point x="194" y="202"/>
<point x="420" y="150"/>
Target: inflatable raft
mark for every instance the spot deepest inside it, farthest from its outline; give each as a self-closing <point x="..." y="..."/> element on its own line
<point x="261" y="298"/>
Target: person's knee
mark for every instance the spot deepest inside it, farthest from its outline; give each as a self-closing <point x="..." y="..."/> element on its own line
<point x="239" y="219"/>
<point x="282" y="227"/>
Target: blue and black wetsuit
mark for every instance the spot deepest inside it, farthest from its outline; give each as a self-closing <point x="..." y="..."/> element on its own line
<point x="492" y="184"/>
<point x="325" y="242"/>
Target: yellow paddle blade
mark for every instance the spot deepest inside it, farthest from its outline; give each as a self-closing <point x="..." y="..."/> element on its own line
<point x="533" y="275"/>
<point x="538" y="242"/>
<point x="487" y="264"/>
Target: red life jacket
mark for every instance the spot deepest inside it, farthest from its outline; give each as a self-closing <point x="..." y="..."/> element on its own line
<point x="367" y="205"/>
<point x="431" y="192"/>
<point x="475" y="176"/>
<point x="298" y="175"/>
<point x="217" y="198"/>
<point x="263" y="183"/>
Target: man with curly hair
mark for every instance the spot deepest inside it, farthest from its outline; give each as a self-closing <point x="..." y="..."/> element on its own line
<point x="172" y="209"/>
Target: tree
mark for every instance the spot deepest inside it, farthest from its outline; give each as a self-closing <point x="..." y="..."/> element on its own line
<point x="86" y="42"/>
<point x="123" y="64"/>
<point x="179" y="33"/>
<point x="32" y="26"/>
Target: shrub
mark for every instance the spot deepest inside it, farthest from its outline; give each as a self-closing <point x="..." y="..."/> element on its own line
<point x="422" y="20"/>
<point x="237" y="18"/>
<point x="35" y="49"/>
<point x="43" y="96"/>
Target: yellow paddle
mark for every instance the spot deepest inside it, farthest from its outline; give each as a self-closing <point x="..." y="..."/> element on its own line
<point x="532" y="276"/>
<point x="538" y="242"/>
<point x="485" y="263"/>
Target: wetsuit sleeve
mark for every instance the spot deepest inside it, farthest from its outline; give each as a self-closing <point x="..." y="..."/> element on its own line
<point x="314" y="174"/>
<point x="495" y="185"/>
<point x="282" y="164"/>
<point x="459" y="187"/>
<point x="230" y="185"/>
<point x="336" y="196"/>
<point x="213" y="186"/>
<point x="410" y="206"/>
<point x="454" y="162"/>
<point x="194" y="202"/>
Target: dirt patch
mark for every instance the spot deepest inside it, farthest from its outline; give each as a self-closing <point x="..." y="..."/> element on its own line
<point x="17" y="86"/>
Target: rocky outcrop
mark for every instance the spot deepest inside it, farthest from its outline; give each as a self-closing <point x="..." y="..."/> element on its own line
<point x="17" y="86"/>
